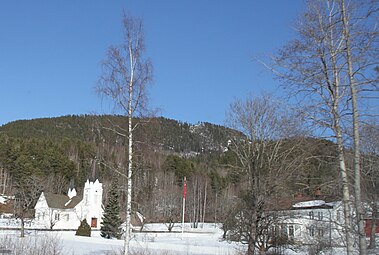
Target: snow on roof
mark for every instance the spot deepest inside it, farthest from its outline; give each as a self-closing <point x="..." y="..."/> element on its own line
<point x="71" y="193"/>
<point x="312" y="203"/>
<point x="332" y="204"/>
<point x="69" y="201"/>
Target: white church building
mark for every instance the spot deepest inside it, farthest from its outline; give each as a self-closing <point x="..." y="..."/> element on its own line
<point x="53" y="211"/>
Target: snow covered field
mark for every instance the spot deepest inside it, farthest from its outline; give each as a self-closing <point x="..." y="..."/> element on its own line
<point x="152" y="243"/>
<point x="206" y="240"/>
<point x="156" y="241"/>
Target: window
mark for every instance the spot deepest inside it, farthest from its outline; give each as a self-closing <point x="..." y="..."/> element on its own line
<point x="320" y="232"/>
<point x="283" y="230"/>
<point x="338" y="216"/>
<point x="312" y="231"/>
<point x="291" y="231"/>
<point x="57" y="216"/>
<point x="311" y="215"/>
<point x="320" y="215"/>
<point x="67" y="217"/>
<point x="277" y="230"/>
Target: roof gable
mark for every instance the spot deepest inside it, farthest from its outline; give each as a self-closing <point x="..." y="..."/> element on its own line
<point x="62" y="201"/>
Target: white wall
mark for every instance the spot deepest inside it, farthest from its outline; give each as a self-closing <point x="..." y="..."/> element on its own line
<point x="316" y="225"/>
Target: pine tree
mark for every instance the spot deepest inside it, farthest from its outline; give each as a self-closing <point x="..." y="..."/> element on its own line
<point x="111" y="222"/>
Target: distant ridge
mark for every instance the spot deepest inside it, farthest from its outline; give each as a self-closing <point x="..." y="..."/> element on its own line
<point x="163" y="133"/>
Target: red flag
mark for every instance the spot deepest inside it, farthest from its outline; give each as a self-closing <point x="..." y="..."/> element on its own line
<point x="184" y="188"/>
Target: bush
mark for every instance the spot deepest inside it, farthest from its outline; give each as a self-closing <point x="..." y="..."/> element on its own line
<point x="84" y="229"/>
<point x="45" y="244"/>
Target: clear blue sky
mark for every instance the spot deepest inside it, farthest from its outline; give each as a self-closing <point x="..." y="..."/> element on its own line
<point x="202" y="52"/>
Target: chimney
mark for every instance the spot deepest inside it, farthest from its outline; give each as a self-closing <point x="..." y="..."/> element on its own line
<point x="71" y="193"/>
<point x="318" y="192"/>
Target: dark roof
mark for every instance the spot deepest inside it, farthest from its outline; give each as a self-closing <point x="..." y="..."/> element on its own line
<point x="8" y="207"/>
<point x="285" y="203"/>
<point x="59" y="201"/>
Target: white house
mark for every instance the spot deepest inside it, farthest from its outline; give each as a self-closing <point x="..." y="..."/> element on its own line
<point x="55" y="211"/>
<point x="314" y="221"/>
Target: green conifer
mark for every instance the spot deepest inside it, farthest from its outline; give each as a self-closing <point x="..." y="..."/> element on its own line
<point x="111" y="222"/>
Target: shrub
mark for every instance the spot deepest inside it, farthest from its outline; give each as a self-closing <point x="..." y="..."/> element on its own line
<point x="84" y="229"/>
<point x="44" y="244"/>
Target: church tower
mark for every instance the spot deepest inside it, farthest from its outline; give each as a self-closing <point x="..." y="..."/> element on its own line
<point x="92" y="200"/>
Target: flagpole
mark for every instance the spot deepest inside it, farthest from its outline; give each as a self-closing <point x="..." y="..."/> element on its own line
<point x="184" y="202"/>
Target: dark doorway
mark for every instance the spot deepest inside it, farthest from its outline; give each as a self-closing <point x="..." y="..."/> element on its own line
<point x="94" y="223"/>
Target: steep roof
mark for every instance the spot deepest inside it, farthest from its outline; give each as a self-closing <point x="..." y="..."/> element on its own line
<point x="61" y="201"/>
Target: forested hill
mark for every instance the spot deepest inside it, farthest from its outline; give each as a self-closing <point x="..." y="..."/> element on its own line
<point x="53" y="154"/>
<point x="163" y="133"/>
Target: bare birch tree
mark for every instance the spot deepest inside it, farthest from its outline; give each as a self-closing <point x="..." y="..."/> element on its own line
<point x="28" y="191"/>
<point x="359" y="47"/>
<point x="320" y="69"/>
<point x="266" y="161"/>
<point x="126" y="75"/>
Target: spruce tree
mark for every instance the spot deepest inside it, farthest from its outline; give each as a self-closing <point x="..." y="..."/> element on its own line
<point x="111" y="221"/>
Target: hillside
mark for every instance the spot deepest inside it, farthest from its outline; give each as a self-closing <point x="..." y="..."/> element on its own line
<point x="52" y="154"/>
<point x="163" y="133"/>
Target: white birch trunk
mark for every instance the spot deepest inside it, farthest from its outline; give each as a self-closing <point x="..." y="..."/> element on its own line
<point x="130" y="159"/>
<point x="336" y="127"/>
<point x="205" y="201"/>
<point x="345" y="193"/>
<point x="354" y="102"/>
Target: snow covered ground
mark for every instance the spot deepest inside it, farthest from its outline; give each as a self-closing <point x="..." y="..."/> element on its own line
<point x="205" y="240"/>
<point x="155" y="241"/>
<point x="142" y="243"/>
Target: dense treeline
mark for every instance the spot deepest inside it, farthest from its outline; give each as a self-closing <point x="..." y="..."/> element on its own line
<point x="50" y="161"/>
<point x="163" y="133"/>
